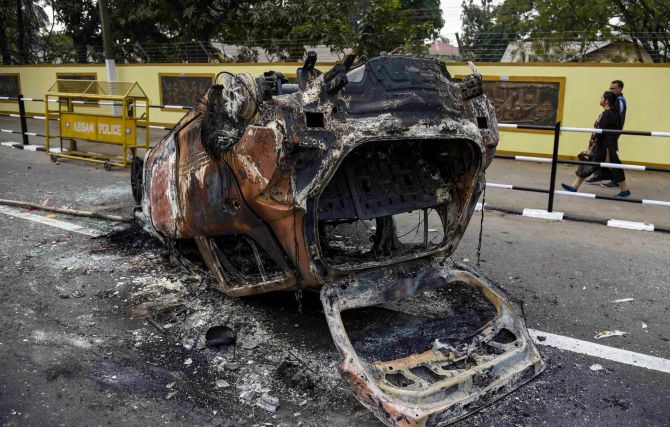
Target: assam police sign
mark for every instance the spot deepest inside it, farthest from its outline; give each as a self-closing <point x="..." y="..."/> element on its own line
<point x="96" y="128"/>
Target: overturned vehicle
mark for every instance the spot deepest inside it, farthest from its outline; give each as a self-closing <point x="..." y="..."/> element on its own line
<point x="317" y="185"/>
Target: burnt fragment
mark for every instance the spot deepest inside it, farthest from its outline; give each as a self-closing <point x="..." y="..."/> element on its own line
<point x="219" y="336"/>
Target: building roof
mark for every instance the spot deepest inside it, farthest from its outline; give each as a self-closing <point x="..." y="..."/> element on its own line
<point x="564" y="52"/>
<point x="440" y="48"/>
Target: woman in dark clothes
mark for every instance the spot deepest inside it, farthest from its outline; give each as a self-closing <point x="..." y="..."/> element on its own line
<point x="602" y="147"/>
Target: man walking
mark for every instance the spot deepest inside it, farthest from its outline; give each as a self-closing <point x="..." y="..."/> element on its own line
<point x="617" y="87"/>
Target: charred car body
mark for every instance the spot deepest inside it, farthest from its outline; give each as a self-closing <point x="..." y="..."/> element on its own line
<point x="311" y="185"/>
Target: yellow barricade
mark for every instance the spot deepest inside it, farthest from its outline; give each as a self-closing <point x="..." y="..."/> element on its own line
<point x="97" y="111"/>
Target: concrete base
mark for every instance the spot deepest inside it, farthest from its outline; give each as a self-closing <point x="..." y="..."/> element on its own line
<point x="542" y="214"/>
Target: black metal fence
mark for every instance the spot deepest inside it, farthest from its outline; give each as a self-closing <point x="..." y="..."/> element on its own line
<point x="554" y="161"/>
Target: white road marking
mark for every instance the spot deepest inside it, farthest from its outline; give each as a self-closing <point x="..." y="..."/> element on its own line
<point x="602" y="351"/>
<point x="21" y="213"/>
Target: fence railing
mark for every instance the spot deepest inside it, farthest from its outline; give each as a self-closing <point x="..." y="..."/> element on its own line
<point x="22" y="116"/>
<point x="554" y="161"/>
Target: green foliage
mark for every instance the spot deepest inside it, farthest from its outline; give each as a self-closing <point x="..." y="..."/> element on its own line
<point x="489" y="27"/>
<point x="177" y="30"/>
<point x="21" y="26"/>
<point x="81" y="19"/>
<point x="386" y="25"/>
<point x="647" y="23"/>
<point x="564" y="29"/>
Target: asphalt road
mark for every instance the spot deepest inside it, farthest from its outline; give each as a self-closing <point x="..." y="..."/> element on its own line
<point x="73" y="353"/>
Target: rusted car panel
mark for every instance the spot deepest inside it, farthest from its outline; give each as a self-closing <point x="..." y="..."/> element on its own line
<point x="326" y="184"/>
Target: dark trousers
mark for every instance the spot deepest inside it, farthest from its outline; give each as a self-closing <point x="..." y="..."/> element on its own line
<point x="615" y="175"/>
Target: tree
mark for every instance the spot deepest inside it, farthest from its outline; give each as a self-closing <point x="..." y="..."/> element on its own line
<point x="177" y="30"/>
<point x="488" y="28"/>
<point x="81" y="20"/>
<point x="7" y="30"/>
<point x="20" y="33"/>
<point x="385" y="25"/>
<point x="647" y="23"/>
<point x="564" y="29"/>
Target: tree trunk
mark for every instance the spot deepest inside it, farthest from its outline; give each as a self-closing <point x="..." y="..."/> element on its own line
<point x="4" y="48"/>
<point x="80" y="47"/>
<point x="20" y="33"/>
<point x="638" y="51"/>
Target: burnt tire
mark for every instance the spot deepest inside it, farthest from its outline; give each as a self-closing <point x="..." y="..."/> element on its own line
<point x="136" y="171"/>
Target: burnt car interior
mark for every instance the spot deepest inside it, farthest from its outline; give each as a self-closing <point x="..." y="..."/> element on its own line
<point x="384" y="195"/>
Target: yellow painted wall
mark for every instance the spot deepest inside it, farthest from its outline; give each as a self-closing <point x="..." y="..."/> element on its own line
<point x="646" y="88"/>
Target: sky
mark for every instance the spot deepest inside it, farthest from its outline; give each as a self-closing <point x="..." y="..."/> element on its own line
<point x="451" y="13"/>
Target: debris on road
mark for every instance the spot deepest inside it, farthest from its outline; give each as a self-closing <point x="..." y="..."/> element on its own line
<point x="596" y="367"/>
<point x="44" y="206"/>
<point x="262" y="400"/>
<point x="222" y="384"/>
<point x="188" y="343"/>
<point x="249" y="396"/>
<point x="607" y="334"/>
<point x="617" y="301"/>
<point x="155" y="324"/>
<point x="219" y="336"/>
<point x="268" y="403"/>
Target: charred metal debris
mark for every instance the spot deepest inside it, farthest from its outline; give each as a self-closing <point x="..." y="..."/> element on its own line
<point x="334" y="182"/>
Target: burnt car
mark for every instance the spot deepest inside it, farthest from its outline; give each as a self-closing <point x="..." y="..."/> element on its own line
<point x="317" y="184"/>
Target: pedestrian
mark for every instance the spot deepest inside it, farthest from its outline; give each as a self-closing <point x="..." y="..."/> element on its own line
<point x="605" y="174"/>
<point x="617" y="88"/>
<point x="602" y="146"/>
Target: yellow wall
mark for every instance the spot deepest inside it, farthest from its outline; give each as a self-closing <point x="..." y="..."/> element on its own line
<point x="646" y="88"/>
